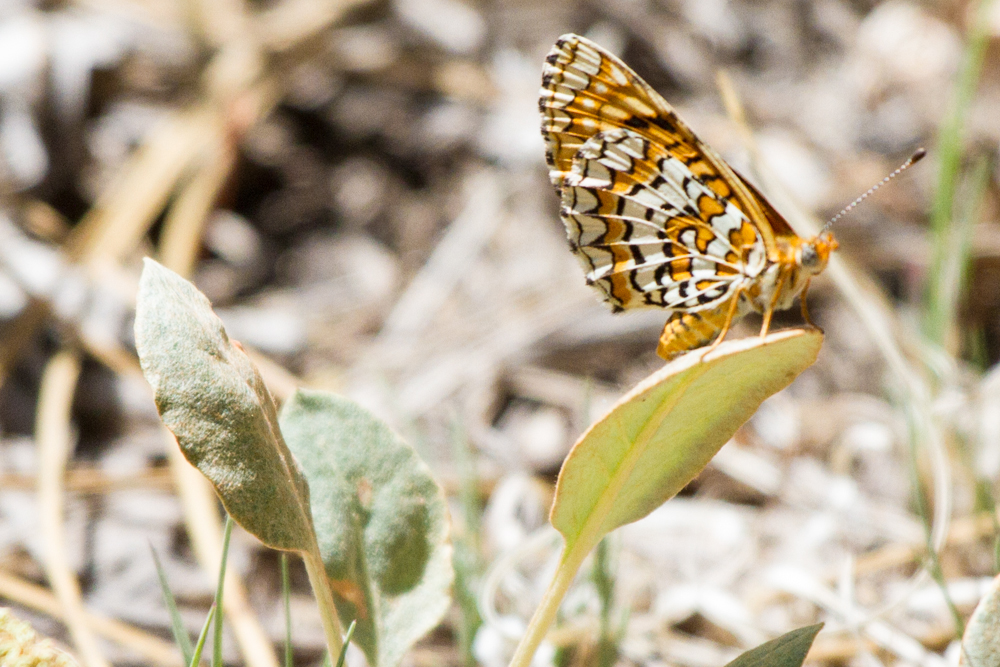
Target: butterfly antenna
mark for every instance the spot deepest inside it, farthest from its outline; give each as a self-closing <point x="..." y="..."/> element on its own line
<point x="915" y="158"/>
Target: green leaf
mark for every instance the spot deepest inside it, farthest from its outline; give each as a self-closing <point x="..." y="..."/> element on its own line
<point x="654" y="441"/>
<point x="664" y="432"/>
<point x="212" y="398"/>
<point x="788" y="650"/>
<point x="380" y="520"/>
<point x="981" y="641"/>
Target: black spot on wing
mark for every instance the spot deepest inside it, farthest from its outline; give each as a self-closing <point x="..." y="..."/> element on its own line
<point x="637" y="123"/>
<point x="620" y="206"/>
<point x="668" y="122"/>
<point x="629" y="230"/>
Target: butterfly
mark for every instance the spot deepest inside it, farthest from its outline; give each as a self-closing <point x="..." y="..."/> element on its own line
<point x="655" y="216"/>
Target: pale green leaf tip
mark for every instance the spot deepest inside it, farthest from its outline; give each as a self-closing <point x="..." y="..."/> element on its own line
<point x="666" y="429"/>
<point x="788" y="650"/>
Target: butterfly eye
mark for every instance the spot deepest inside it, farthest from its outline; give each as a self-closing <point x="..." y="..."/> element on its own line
<point x="808" y="257"/>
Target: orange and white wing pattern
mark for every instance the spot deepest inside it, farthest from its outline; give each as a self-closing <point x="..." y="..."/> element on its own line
<point x="655" y="217"/>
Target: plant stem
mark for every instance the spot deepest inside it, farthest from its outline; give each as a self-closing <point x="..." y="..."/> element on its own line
<point x="220" y="588"/>
<point x="569" y="564"/>
<point x="324" y="599"/>
<point x="286" y="593"/>
<point x="585" y="537"/>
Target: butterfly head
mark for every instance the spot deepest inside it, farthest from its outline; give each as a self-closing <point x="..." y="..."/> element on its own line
<point x="814" y="254"/>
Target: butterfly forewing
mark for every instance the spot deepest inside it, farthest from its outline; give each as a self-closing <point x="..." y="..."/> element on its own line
<point x="586" y="90"/>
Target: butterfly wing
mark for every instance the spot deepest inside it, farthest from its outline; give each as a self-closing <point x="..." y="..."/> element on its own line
<point x="650" y="234"/>
<point x="779" y="226"/>
<point x="653" y="214"/>
<point x="587" y="90"/>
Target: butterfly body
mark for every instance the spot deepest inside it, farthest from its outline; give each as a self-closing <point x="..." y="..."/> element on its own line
<point x="656" y="218"/>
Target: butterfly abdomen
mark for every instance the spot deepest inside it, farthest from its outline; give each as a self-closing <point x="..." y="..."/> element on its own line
<point x="686" y="331"/>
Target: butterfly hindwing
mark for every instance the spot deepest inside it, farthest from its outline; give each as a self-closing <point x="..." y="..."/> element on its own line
<point x="647" y="231"/>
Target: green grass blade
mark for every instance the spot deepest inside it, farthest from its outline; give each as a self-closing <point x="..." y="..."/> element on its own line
<point x="217" y="639"/>
<point x="347" y="642"/>
<point x="467" y="558"/>
<point x="951" y="278"/>
<point x="949" y="153"/>
<point x="176" y="623"/>
<point x="286" y="594"/>
<point x="202" y="637"/>
<point x="603" y="577"/>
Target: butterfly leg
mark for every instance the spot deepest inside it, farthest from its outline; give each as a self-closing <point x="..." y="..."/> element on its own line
<point x="805" y="308"/>
<point x="772" y="305"/>
<point x="730" y="316"/>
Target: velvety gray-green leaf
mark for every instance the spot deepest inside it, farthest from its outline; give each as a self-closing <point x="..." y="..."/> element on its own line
<point x="380" y="519"/>
<point x="788" y="650"/>
<point x="981" y="641"/>
<point x="211" y="396"/>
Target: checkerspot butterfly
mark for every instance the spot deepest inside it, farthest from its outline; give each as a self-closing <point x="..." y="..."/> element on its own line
<point x="655" y="216"/>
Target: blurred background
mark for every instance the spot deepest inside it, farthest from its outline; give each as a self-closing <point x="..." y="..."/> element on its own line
<point x="359" y="187"/>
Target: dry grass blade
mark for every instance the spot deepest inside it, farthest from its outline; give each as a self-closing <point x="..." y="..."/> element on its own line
<point x="88" y="480"/>
<point x="54" y="435"/>
<point x="182" y="230"/>
<point x="150" y="647"/>
<point x="124" y="213"/>
<point x="291" y="23"/>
